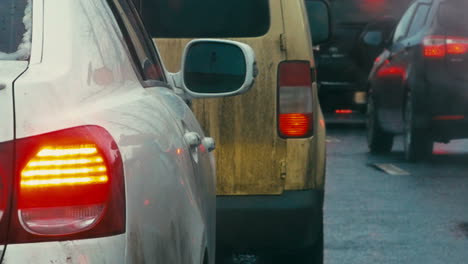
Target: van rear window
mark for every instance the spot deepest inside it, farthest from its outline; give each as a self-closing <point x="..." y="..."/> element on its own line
<point x="205" y="19"/>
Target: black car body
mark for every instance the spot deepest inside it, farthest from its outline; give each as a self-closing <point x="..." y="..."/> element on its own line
<point x="419" y="84"/>
<point x="359" y="30"/>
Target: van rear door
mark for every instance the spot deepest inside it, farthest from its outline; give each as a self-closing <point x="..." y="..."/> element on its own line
<point x="250" y="156"/>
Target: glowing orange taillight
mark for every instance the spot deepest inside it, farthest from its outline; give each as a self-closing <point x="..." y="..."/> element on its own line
<point x="69" y="184"/>
<point x="69" y="165"/>
<point x="295" y="125"/>
<point x="295" y="103"/>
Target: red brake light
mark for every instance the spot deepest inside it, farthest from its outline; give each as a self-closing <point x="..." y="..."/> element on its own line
<point x="295" y="125"/>
<point x="344" y="111"/>
<point x="457" y="46"/>
<point x="6" y="170"/>
<point x="295" y="112"/>
<point x="440" y="46"/>
<point x="392" y="71"/>
<point x="69" y="184"/>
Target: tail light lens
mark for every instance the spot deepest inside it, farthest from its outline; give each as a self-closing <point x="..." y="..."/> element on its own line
<point x="344" y="111"/>
<point x="457" y="46"/>
<point x="392" y="71"/>
<point x="70" y="184"/>
<point x="440" y="46"/>
<point x="434" y="47"/>
<point x="295" y="107"/>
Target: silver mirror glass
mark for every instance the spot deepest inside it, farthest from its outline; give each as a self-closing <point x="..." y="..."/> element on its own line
<point x="213" y="68"/>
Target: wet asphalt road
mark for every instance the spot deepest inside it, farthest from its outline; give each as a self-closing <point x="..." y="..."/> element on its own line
<point x="375" y="217"/>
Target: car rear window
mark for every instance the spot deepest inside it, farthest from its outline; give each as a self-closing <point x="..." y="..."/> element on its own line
<point x="207" y="18"/>
<point x="452" y="16"/>
<point x="15" y="29"/>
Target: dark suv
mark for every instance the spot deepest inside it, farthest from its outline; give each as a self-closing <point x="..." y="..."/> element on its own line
<point x="419" y="84"/>
<point x="359" y="30"/>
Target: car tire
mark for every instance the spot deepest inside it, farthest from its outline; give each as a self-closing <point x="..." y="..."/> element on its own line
<point x="378" y="140"/>
<point x="418" y="143"/>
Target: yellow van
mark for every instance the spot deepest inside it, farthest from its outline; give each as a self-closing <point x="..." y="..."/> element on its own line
<point x="270" y="154"/>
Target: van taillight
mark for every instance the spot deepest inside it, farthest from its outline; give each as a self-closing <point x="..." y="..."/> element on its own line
<point x="440" y="46"/>
<point x="69" y="184"/>
<point x="295" y="110"/>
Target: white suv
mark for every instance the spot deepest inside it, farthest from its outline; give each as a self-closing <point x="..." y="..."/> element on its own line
<point x="101" y="160"/>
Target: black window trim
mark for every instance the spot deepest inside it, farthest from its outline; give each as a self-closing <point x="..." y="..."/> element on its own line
<point x="403" y="36"/>
<point x="130" y="48"/>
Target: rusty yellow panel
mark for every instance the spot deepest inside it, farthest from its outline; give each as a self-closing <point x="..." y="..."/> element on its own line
<point x="297" y="33"/>
<point x="249" y="154"/>
<point x="299" y="174"/>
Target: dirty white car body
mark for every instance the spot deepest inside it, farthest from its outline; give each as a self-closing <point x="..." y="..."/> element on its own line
<point x="81" y="83"/>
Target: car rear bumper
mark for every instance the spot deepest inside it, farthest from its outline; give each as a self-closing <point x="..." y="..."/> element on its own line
<point x="342" y="95"/>
<point x="97" y="250"/>
<point x="445" y="107"/>
<point x="289" y="221"/>
<point x="446" y="130"/>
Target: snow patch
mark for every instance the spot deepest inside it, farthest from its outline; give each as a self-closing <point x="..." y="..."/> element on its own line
<point x="24" y="47"/>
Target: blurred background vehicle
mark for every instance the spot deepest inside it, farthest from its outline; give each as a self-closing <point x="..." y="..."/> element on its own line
<point x="360" y="28"/>
<point x="418" y="84"/>
<point x="101" y="161"/>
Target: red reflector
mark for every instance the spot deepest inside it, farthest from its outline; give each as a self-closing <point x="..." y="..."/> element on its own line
<point x="393" y="71"/>
<point x="343" y="111"/>
<point x="295" y="125"/>
<point x="295" y="109"/>
<point x="69" y="184"/>
<point x="449" y="117"/>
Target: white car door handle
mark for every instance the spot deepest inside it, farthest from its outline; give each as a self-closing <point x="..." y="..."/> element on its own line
<point x="193" y="139"/>
<point x="209" y="144"/>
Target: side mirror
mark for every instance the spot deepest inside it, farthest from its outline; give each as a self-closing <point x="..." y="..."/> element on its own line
<point x="217" y="68"/>
<point x="379" y="32"/>
<point x="320" y="21"/>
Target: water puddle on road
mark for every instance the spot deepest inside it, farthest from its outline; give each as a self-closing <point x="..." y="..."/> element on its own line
<point x="333" y="140"/>
<point x="390" y="169"/>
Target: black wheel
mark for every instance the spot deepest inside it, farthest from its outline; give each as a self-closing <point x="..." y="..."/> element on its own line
<point x="378" y="140"/>
<point x="418" y="141"/>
